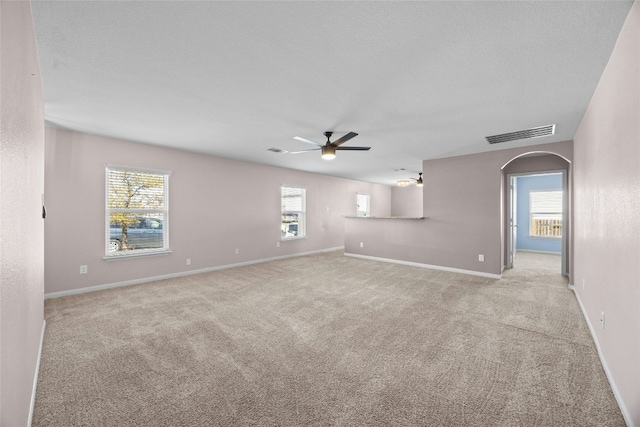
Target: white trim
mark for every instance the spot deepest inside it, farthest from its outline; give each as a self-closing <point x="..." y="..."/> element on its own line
<point x="180" y="274"/>
<point x="566" y="207"/>
<point x="536" y="152"/>
<point x="625" y="412"/>
<point x="302" y="213"/>
<point x="433" y="267"/>
<point x="367" y="210"/>
<point x="139" y="253"/>
<point x="288" y="239"/>
<point x="534" y="251"/>
<point x="35" y="377"/>
<point x="108" y="211"/>
<point x="137" y="169"/>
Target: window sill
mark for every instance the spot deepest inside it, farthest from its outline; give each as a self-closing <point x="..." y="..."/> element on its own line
<point x="141" y="254"/>
<point x="386" y="217"/>
<point x="288" y="239"/>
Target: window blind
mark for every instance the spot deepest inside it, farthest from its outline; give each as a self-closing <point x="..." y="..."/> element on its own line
<point x="549" y="202"/>
<point x="136" y="214"/>
<point x="546" y="213"/>
<point x="293" y="207"/>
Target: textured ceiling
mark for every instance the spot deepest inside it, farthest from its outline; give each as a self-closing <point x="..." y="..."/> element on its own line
<point x="416" y="80"/>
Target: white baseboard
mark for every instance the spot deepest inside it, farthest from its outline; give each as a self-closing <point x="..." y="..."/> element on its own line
<point x="625" y="413"/>
<point x="180" y="274"/>
<point x="35" y="377"/>
<point x="433" y="267"/>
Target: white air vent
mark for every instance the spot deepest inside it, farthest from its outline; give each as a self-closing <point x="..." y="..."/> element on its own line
<point x="522" y="134"/>
<point x="277" y="150"/>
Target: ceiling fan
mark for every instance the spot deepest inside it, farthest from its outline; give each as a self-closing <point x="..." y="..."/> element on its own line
<point x="329" y="148"/>
<point x="408" y="182"/>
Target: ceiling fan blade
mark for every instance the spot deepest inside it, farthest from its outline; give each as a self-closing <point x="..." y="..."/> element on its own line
<point x="354" y="148"/>
<point x="344" y="138"/>
<point x="308" y="141"/>
<point x="304" y="151"/>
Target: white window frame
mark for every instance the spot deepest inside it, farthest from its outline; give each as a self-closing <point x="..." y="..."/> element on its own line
<point x="163" y="210"/>
<point x="553" y="212"/>
<point x="366" y="199"/>
<point x="301" y="232"/>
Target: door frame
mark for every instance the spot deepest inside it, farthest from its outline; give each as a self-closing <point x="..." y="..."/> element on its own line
<point x="512" y="197"/>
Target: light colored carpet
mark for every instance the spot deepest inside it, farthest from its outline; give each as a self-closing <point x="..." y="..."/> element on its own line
<point x="324" y="340"/>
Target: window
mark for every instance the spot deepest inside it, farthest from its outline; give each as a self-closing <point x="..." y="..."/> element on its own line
<point x="546" y="213"/>
<point x="362" y="204"/>
<point x="137" y="215"/>
<point x="293" y="207"/>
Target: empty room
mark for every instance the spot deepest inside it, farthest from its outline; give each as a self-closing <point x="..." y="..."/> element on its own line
<point x="324" y="213"/>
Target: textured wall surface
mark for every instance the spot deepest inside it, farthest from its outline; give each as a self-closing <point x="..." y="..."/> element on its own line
<point x="21" y="224"/>
<point x="406" y="201"/>
<point x="462" y="203"/>
<point x="216" y="206"/>
<point x="607" y="207"/>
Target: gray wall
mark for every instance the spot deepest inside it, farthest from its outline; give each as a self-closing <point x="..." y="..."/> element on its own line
<point x="463" y="204"/>
<point x="216" y="205"/>
<point x="22" y="229"/>
<point x="406" y="201"/>
<point x="607" y="216"/>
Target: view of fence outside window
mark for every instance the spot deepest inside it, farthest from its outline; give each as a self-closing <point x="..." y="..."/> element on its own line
<point x="546" y="213"/>
<point x="293" y="207"/>
<point x="136" y="211"/>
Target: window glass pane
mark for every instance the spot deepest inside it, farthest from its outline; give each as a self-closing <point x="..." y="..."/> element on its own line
<point x="546" y="213"/>
<point x="129" y="232"/>
<point x="292" y="212"/>
<point x="362" y="204"/>
<point x="135" y="190"/>
<point x="136" y="210"/>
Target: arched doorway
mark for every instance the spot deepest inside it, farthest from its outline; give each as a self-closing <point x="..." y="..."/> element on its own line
<point x="531" y="164"/>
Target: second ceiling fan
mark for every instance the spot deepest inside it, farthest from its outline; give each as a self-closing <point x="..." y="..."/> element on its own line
<point x="329" y="148"/>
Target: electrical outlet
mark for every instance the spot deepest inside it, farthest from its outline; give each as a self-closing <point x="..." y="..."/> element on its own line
<point x="84" y="269"/>
<point x="481" y="257"/>
<point x="362" y="244"/>
<point x="277" y="244"/>
<point x="602" y="319"/>
<point x="188" y="261"/>
<point x="237" y="251"/>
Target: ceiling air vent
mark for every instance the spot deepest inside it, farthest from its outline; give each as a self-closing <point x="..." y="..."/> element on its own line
<point x="522" y="134"/>
<point x="277" y="150"/>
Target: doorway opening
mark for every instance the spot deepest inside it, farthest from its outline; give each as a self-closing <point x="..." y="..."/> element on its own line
<point x="536" y="213"/>
<point x="536" y="218"/>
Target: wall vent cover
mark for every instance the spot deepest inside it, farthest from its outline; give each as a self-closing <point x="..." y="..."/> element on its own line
<point x="522" y="134"/>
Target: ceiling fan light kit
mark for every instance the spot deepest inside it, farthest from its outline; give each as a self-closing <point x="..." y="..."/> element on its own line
<point x="329" y="148"/>
<point x="408" y="182"/>
<point x="328" y="152"/>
